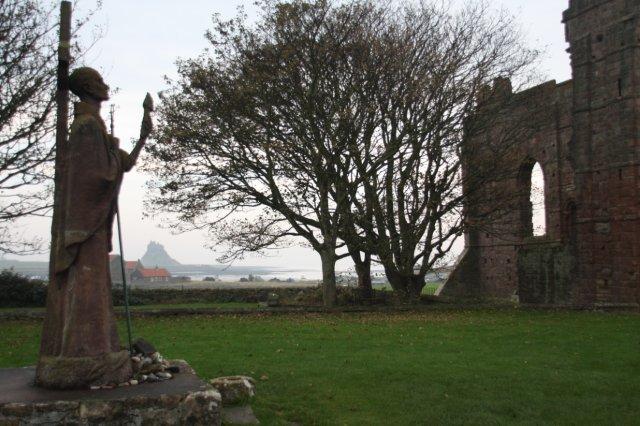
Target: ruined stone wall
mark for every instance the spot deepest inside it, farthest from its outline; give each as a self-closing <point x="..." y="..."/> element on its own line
<point x="490" y="265"/>
<point x="588" y="147"/>
<point x="605" y="55"/>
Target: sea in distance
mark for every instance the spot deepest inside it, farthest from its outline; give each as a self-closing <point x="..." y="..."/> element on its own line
<point x="221" y="273"/>
<point x="257" y="273"/>
<point x="229" y="273"/>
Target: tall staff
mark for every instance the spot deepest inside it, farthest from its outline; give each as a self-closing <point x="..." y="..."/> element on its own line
<point x="145" y="129"/>
<point x="124" y="282"/>
<point x="123" y="269"/>
<point x="62" y="129"/>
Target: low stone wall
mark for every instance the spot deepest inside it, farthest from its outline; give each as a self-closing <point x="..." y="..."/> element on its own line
<point x="175" y="296"/>
<point x="307" y="296"/>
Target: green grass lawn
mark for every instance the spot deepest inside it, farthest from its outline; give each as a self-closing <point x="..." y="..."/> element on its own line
<point x="429" y="289"/>
<point x="443" y="367"/>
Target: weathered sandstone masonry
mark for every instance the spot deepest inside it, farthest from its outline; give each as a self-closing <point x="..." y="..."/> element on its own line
<point x="588" y="145"/>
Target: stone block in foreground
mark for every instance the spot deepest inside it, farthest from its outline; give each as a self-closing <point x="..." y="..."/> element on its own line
<point x="183" y="400"/>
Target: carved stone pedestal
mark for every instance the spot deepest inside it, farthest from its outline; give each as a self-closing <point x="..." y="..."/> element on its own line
<point x="185" y="399"/>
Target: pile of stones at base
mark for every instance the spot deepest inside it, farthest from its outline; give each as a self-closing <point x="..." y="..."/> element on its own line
<point x="148" y="366"/>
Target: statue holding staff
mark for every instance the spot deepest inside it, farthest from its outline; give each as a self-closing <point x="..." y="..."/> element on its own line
<point x="80" y="345"/>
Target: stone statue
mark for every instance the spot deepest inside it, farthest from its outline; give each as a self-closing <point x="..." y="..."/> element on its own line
<point x="80" y="345"/>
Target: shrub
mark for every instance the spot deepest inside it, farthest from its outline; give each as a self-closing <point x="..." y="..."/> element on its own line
<point x="19" y="291"/>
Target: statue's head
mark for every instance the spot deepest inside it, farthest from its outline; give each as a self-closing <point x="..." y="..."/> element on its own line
<point x="86" y="81"/>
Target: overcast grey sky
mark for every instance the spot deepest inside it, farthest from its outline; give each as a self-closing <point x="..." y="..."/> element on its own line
<point x="143" y="38"/>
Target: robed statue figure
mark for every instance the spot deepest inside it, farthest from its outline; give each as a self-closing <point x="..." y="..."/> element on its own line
<point x="80" y="345"/>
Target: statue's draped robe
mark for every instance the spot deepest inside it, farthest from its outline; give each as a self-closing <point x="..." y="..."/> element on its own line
<point x="80" y="322"/>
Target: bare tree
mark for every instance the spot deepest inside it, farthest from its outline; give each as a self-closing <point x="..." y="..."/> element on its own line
<point x="343" y="124"/>
<point x="264" y="122"/>
<point x="28" y="49"/>
<point x="410" y="199"/>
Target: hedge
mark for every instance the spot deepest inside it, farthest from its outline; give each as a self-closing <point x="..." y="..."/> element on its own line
<point x="19" y="291"/>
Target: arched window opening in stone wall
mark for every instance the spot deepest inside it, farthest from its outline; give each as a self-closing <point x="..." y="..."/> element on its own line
<point x="537" y="198"/>
<point x="533" y="221"/>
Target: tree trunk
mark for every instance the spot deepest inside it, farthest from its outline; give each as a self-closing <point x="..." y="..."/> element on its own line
<point x="407" y="287"/>
<point x="329" y="294"/>
<point x="363" y="269"/>
<point x="417" y="284"/>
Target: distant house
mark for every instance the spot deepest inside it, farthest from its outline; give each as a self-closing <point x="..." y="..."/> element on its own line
<point x="155" y="275"/>
<point x="130" y="266"/>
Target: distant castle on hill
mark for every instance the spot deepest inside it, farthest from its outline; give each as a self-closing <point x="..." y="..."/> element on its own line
<point x="157" y="256"/>
<point x="152" y="267"/>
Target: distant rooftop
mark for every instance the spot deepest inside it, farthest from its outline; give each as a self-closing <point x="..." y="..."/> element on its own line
<point x="155" y="273"/>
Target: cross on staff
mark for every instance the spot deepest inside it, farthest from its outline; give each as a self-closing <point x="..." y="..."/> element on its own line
<point x="62" y="130"/>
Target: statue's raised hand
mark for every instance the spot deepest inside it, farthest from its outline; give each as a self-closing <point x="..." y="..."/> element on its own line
<point x="147" y="125"/>
<point x="145" y="129"/>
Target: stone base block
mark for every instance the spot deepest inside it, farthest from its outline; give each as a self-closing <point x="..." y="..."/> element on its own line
<point x="183" y="400"/>
<point x="235" y="390"/>
<point x="82" y="373"/>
